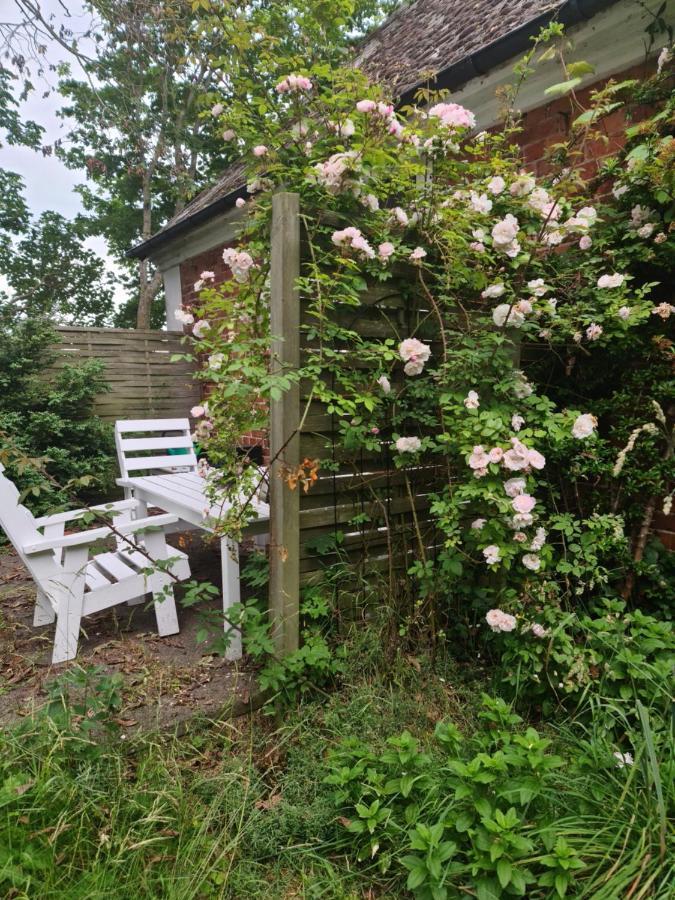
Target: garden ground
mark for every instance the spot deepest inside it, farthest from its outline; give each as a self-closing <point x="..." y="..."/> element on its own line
<point x="166" y="679"/>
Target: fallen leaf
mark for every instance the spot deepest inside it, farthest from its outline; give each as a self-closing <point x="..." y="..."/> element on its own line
<point x="22" y="788"/>
<point x="270" y="803"/>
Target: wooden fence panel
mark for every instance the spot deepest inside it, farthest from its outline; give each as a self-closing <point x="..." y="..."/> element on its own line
<point x="379" y="513"/>
<point x="144" y="383"/>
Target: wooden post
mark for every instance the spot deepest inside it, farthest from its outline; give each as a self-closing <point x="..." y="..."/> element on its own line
<point x="284" y="422"/>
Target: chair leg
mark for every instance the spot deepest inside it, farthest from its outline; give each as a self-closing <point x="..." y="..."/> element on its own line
<point x="44" y="612"/>
<point x="71" y="598"/>
<point x="161" y="586"/>
<point x="165" y="612"/>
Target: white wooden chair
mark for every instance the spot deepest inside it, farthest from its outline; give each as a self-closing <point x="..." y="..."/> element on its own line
<point x="71" y="583"/>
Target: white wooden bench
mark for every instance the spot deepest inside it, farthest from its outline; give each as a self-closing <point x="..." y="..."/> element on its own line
<point x="172" y="483"/>
<point x="144" y="446"/>
<point x="71" y="582"/>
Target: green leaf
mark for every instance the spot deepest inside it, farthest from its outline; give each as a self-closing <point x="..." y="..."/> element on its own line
<point x="564" y="87"/>
<point x="417" y="875"/>
<point x="579" y="69"/>
<point x="518" y="881"/>
<point x="548" y="54"/>
<point x="504" y="872"/>
<point x="488" y="889"/>
<point x="639" y="152"/>
<point x="463" y="821"/>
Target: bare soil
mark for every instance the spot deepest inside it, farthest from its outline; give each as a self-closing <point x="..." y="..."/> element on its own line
<point x="167" y="680"/>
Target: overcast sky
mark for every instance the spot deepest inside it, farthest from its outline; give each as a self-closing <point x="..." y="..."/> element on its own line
<point x="48" y="183"/>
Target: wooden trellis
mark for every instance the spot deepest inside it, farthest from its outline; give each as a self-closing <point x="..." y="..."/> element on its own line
<point x="378" y="510"/>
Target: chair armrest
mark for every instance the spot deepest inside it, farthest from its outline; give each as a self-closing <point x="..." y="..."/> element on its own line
<point x="84" y="538"/>
<point x="73" y="514"/>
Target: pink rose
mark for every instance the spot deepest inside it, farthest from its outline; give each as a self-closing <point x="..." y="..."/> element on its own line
<point x="479" y="458"/>
<point x="452" y="115"/>
<point x="499" y="620"/>
<point x="523" y="503"/>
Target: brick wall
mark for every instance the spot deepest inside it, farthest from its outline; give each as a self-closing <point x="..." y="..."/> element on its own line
<point x="191" y="269"/>
<point x="551" y="122"/>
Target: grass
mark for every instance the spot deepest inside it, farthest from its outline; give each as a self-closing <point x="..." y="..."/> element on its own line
<point x="234" y="810"/>
<point x="239" y="809"/>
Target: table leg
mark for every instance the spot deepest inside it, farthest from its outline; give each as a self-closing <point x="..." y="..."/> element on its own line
<point x="229" y="555"/>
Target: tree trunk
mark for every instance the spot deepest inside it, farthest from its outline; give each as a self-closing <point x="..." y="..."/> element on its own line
<point x="148" y="289"/>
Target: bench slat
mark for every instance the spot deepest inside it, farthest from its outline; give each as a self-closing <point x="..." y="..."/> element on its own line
<point x="135" y="463"/>
<point x="125" y="425"/>
<point x="156" y="443"/>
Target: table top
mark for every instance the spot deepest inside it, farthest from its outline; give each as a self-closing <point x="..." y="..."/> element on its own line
<point x="184" y="495"/>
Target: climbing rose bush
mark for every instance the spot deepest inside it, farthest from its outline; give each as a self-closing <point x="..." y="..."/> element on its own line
<point x="536" y="341"/>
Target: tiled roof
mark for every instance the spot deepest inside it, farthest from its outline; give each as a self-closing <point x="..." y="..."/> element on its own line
<point x="435" y="34"/>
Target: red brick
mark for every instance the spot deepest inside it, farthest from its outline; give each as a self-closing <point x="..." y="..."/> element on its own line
<point x="667" y="538"/>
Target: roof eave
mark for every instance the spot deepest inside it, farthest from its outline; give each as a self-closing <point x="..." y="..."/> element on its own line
<point x="222" y="204"/>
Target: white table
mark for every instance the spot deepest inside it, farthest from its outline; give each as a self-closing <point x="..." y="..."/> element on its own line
<point x="184" y="495"/>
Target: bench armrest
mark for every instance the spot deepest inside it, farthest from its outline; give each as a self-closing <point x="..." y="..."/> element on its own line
<point x="84" y="538"/>
<point x="73" y="514"/>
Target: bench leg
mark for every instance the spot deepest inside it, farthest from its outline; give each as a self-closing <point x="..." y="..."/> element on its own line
<point x="229" y="556"/>
<point x="44" y="612"/>
<point x="69" y="610"/>
<point x="161" y="586"/>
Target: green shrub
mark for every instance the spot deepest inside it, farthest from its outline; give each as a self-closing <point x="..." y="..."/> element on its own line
<point x="609" y="652"/>
<point x="500" y="814"/>
<point x="52" y="421"/>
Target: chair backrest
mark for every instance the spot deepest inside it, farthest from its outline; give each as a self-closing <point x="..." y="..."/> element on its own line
<point x="152" y="446"/>
<point x="17" y="522"/>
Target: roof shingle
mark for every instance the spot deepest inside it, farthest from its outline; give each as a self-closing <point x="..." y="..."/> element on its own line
<point x="435" y="34"/>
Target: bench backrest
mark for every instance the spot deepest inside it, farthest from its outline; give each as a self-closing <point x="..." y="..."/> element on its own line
<point x="17" y="522"/>
<point x="153" y="446"/>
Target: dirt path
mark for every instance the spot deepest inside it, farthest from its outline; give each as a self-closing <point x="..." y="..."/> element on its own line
<point x="166" y="680"/>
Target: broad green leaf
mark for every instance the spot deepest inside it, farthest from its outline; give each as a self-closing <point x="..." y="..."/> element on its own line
<point x="563" y="87"/>
<point x="579" y="69"/>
